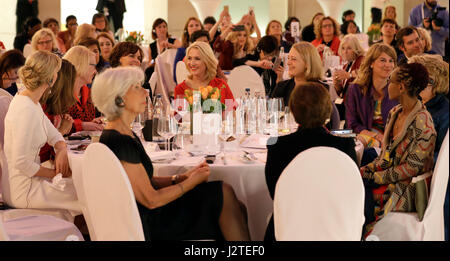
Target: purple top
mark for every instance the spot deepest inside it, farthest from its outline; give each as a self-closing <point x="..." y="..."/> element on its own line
<point x="359" y="108"/>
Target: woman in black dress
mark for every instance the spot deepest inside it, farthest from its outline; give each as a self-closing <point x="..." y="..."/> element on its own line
<point x="181" y="207"/>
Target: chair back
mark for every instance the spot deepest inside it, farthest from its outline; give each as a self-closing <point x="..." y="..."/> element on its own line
<point x="319" y="202"/>
<point x="243" y="77"/>
<point x="164" y="72"/>
<point x="182" y="72"/>
<point x="434" y="215"/>
<point x="109" y="202"/>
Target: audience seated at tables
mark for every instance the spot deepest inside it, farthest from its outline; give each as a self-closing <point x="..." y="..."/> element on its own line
<point x="231" y="45"/>
<point x="10" y="62"/>
<point x="409" y="42"/>
<point x="352" y="55"/>
<point x="53" y="24"/>
<point x="308" y="33"/>
<point x="311" y="105"/>
<point x="192" y="24"/>
<point x="327" y="35"/>
<point x="83" y="32"/>
<point x="106" y="43"/>
<point x="56" y="103"/>
<point x="69" y="35"/>
<point x="101" y="24"/>
<point x="45" y="40"/>
<point x="201" y="64"/>
<point x="274" y="28"/>
<point x="31" y="26"/>
<point x="83" y="111"/>
<point x="27" y="129"/>
<point x="94" y="46"/>
<point x="367" y="104"/>
<point x="407" y="151"/>
<point x="184" y="207"/>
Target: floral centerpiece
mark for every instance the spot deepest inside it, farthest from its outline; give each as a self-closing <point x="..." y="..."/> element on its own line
<point x="210" y="98"/>
<point x="374" y="32"/>
<point x="134" y="37"/>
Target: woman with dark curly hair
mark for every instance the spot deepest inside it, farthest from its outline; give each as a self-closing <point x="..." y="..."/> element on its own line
<point x="407" y="150"/>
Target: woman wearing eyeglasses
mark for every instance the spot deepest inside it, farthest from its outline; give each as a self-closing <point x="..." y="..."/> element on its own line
<point x="45" y="40"/>
<point x="327" y="35"/>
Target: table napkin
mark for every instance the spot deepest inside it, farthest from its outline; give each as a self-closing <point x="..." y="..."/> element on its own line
<point x="258" y="141"/>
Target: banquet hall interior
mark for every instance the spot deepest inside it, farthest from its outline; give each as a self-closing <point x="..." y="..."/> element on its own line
<point x="224" y="120"/>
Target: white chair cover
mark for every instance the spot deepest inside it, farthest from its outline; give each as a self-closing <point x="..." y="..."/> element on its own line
<point x="109" y="202"/>
<point x="319" y="196"/>
<point x="164" y="71"/>
<point x="242" y="77"/>
<point x="37" y="228"/>
<point x="182" y="72"/>
<point x="397" y="226"/>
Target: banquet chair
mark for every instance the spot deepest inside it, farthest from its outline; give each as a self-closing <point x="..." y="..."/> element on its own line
<point x="398" y="226"/>
<point x="108" y="202"/>
<point x="165" y="84"/>
<point x="242" y="77"/>
<point x="182" y="72"/>
<point x="319" y="202"/>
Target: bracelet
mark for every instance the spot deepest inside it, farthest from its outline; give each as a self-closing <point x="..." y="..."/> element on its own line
<point x="182" y="189"/>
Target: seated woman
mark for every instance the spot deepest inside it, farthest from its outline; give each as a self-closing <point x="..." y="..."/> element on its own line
<point x="304" y="66"/>
<point x="10" y="62"/>
<point x="183" y="207"/>
<point x="287" y="35"/>
<point x="83" y="111"/>
<point x="275" y="29"/>
<point x="425" y="37"/>
<point x="94" y="46"/>
<point x="106" y="43"/>
<point x="308" y="33"/>
<point x="193" y="24"/>
<point x="27" y="129"/>
<point x="348" y="27"/>
<point x="45" y="40"/>
<point x="231" y="45"/>
<point x="56" y="103"/>
<point x="367" y="103"/>
<point x="327" y="35"/>
<point x="311" y="106"/>
<point x="249" y="21"/>
<point x="84" y="31"/>
<point x="352" y="54"/>
<point x="407" y="151"/>
<point x="202" y="64"/>
<point x="101" y="24"/>
<point x="53" y="24"/>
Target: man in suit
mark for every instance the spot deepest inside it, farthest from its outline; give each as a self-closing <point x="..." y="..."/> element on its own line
<point x="25" y="9"/>
<point x="115" y="10"/>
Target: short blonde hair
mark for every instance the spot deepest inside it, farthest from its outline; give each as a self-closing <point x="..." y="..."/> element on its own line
<point x="84" y="31"/>
<point x="308" y="53"/>
<point x="113" y="83"/>
<point x="438" y="70"/>
<point x="318" y="27"/>
<point x="207" y="56"/>
<point x="39" y="68"/>
<point x="79" y="57"/>
<point x="365" y="72"/>
<point x="424" y="34"/>
<point x="353" y="42"/>
<point x="41" y="34"/>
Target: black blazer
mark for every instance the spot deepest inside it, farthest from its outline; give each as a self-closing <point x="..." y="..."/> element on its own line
<point x="282" y="150"/>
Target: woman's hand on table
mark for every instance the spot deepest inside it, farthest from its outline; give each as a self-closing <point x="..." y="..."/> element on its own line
<point x="199" y="174"/>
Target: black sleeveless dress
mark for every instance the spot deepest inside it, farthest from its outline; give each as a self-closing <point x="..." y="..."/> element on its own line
<point x="193" y="216"/>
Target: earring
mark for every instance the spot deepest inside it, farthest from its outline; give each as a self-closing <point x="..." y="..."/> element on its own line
<point x="119" y="102"/>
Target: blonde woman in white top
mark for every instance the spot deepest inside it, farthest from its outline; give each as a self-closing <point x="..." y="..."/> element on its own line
<point x="27" y="129"/>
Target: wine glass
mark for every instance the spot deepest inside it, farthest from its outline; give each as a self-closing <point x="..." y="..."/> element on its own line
<point x="273" y="114"/>
<point x="138" y="124"/>
<point x="167" y="128"/>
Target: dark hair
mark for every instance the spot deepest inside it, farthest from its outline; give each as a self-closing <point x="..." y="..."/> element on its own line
<point x="347" y="13"/>
<point x="89" y="42"/>
<point x="345" y="25"/>
<point x="30" y="23"/>
<point x="310" y="104"/>
<point x="61" y="98"/>
<point x="70" y="17"/>
<point x="11" y="59"/>
<point x="287" y="25"/>
<point x="100" y="15"/>
<point x="268" y="44"/>
<point x="312" y="20"/>
<point x="197" y="34"/>
<point x="390" y="21"/>
<point x="414" y="77"/>
<point x="405" y="31"/>
<point x="49" y="21"/>
<point x="210" y="20"/>
<point x="156" y="23"/>
<point x="376" y="15"/>
<point x="123" y="49"/>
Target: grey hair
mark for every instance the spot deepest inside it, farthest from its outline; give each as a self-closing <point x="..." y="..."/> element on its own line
<point x="113" y="83"/>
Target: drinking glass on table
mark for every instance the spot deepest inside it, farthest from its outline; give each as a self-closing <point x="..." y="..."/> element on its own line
<point x="273" y="115"/>
<point x="138" y="124"/>
<point x="167" y="127"/>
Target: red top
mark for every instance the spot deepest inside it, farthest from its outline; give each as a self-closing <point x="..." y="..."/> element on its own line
<point x="225" y="93"/>
<point x="334" y="45"/>
<point x="83" y="110"/>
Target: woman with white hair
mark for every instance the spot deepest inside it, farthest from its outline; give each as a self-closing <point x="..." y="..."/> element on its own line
<point x="45" y="40"/>
<point x="180" y="207"/>
<point x="27" y="129"/>
<point x="83" y="111"/>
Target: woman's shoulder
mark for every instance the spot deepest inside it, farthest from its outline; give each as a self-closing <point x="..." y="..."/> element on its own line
<point x="115" y="139"/>
<point x="218" y="82"/>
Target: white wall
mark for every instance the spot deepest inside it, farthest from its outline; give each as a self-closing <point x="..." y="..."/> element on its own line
<point x="8" y="24"/>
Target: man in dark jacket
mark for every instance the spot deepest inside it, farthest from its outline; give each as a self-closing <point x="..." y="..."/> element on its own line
<point x="25" y="9"/>
<point x="116" y="8"/>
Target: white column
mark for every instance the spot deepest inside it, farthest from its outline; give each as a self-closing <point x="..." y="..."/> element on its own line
<point x="205" y="8"/>
<point x="332" y="8"/>
<point x="8" y="24"/>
